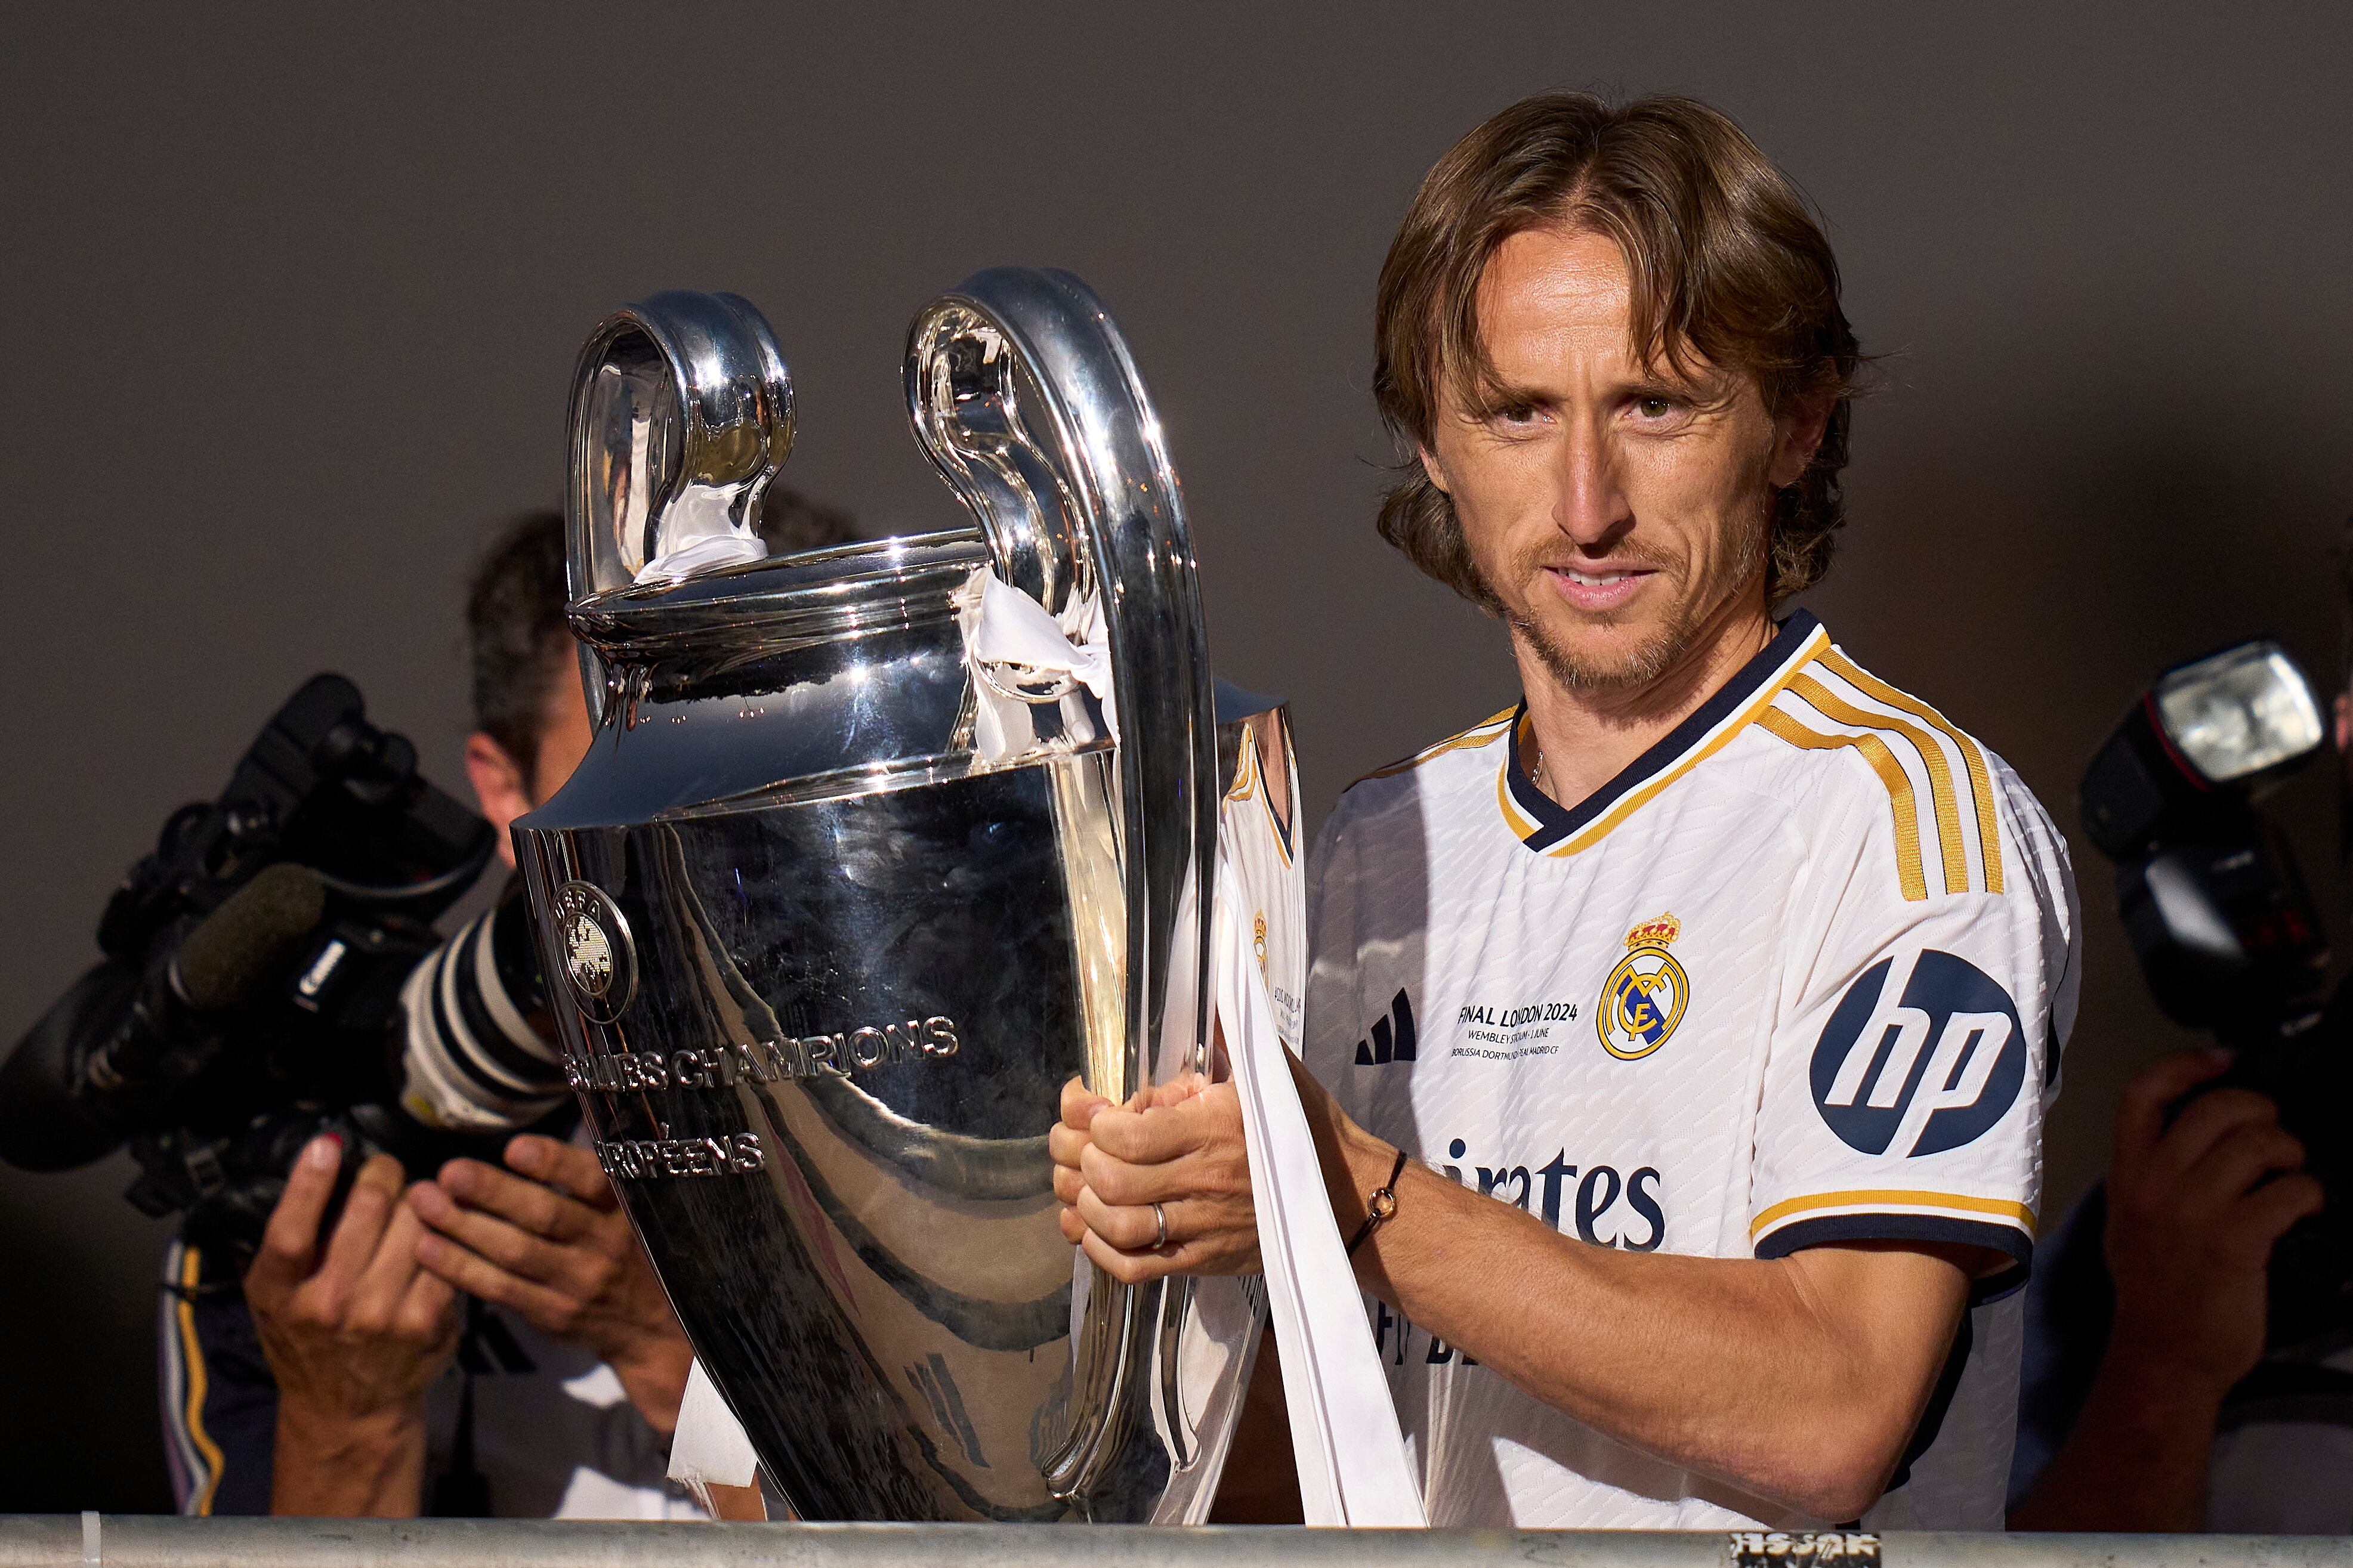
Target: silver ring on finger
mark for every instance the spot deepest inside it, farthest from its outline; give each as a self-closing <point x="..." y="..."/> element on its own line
<point x="1160" y="1219"/>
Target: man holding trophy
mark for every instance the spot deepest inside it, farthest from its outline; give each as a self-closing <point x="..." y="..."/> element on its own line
<point x="1722" y="982"/>
<point x="1677" y="1042"/>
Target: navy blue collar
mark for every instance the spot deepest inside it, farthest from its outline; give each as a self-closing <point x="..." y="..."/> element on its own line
<point x="1554" y="822"/>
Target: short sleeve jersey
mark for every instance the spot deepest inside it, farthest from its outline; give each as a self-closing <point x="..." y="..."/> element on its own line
<point x="1799" y="974"/>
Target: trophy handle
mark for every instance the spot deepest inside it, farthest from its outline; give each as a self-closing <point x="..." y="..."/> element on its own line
<point x="681" y="412"/>
<point x="1024" y="396"/>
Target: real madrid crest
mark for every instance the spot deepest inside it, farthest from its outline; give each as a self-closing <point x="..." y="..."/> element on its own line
<point x="1643" y="999"/>
<point x="600" y="959"/>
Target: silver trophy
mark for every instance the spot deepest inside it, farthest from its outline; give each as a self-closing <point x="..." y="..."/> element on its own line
<point x="875" y="848"/>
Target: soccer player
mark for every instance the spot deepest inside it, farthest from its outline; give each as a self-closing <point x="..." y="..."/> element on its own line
<point x="1678" y="1041"/>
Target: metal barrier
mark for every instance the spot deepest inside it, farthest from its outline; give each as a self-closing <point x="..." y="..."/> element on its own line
<point x="137" y="1541"/>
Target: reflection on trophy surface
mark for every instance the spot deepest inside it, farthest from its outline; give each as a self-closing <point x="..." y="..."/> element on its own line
<point x="877" y="846"/>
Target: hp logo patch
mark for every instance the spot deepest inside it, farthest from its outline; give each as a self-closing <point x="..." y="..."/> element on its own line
<point x="1922" y="1071"/>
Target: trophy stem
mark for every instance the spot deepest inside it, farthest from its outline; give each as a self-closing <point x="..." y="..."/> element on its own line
<point x="1109" y="1344"/>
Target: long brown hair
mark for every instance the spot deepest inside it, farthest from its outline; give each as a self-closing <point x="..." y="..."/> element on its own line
<point x="1727" y="264"/>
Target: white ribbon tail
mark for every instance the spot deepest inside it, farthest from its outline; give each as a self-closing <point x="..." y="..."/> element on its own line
<point x="1352" y="1470"/>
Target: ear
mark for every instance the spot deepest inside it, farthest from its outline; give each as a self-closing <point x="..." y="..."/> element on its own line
<point x="498" y="787"/>
<point x="1430" y="467"/>
<point x="1799" y="438"/>
<point x="2345" y="720"/>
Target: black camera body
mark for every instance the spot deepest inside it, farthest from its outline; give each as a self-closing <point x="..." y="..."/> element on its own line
<point x="250" y="996"/>
<point x="2225" y="931"/>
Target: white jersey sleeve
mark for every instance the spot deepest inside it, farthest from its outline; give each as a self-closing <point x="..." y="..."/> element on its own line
<point x="1922" y="1013"/>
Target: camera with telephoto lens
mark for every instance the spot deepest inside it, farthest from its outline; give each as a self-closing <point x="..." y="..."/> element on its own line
<point x="271" y="973"/>
<point x="2225" y="931"/>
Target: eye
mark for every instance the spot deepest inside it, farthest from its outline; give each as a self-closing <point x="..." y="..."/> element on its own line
<point x="1655" y="408"/>
<point x="1521" y="414"/>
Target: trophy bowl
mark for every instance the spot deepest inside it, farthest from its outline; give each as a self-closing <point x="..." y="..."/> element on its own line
<point x="875" y="847"/>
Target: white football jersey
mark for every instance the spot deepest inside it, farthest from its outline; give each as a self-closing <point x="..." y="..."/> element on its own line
<point x="1799" y="974"/>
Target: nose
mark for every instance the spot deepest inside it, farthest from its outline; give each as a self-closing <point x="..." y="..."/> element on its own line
<point x="1588" y="502"/>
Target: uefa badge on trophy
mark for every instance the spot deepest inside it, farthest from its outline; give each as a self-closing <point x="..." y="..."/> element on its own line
<point x="875" y="847"/>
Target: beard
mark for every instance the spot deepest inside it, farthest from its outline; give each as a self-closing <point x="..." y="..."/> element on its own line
<point x="1649" y="658"/>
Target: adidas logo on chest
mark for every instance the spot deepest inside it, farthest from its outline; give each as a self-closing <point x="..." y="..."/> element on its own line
<point x="1392" y="1039"/>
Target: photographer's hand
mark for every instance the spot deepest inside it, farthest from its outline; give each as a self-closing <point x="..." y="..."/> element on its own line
<point x="556" y="1248"/>
<point x="354" y="1339"/>
<point x="2193" y="1210"/>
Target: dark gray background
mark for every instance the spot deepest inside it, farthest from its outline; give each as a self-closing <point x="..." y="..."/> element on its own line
<point x="293" y="296"/>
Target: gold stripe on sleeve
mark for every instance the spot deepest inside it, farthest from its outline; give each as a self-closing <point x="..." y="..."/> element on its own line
<point x="1874" y="1198"/>
<point x="1902" y="802"/>
<point x="1940" y="773"/>
<point x="191" y="1353"/>
<point x="1980" y="783"/>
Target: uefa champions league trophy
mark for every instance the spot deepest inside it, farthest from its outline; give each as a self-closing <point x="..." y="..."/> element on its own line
<point x="875" y="848"/>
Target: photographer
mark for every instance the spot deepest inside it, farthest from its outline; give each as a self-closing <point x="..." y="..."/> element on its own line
<point x="2190" y="1355"/>
<point x="491" y="1339"/>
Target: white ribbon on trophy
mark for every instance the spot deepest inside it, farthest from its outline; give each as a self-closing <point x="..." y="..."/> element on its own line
<point x="1011" y="643"/>
<point x="1351" y="1456"/>
<point x="1352" y="1470"/>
